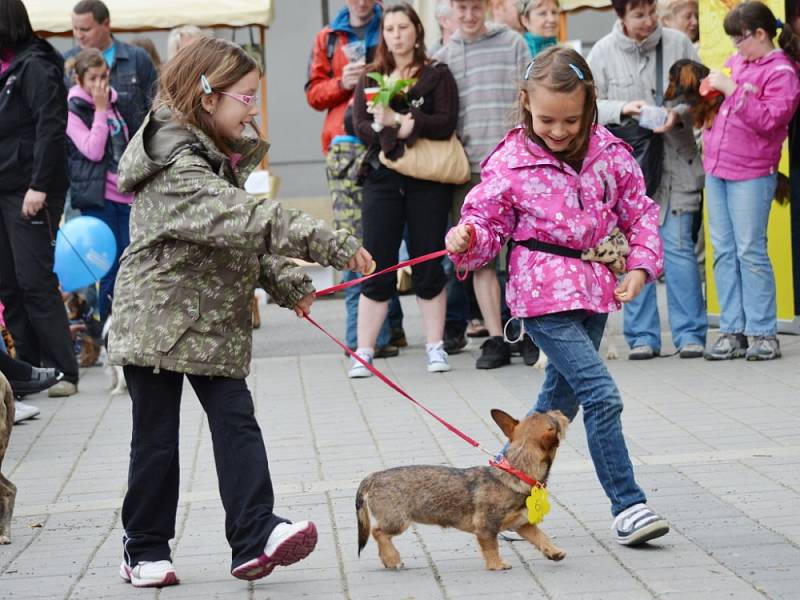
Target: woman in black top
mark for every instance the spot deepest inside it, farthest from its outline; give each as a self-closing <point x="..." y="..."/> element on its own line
<point x="392" y="201"/>
<point x="33" y="183"/>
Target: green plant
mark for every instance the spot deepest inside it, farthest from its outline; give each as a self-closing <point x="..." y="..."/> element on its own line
<point x="389" y="87"/>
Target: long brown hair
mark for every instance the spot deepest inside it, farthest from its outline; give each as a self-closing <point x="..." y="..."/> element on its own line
<point x="223" y="63"/>
<point x="747" y="17"/>
<point x="384" y="60"/>
<point x="563" y="70"/>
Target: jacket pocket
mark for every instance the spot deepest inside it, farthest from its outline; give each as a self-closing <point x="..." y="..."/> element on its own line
<point x="620" y="86"/>
<point x="179" y="313"/>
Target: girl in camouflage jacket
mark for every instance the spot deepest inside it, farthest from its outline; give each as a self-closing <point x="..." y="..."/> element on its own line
<point x="199" y="245"/>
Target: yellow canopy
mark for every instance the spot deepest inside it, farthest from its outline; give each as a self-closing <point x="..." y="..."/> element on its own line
<point x="567" y="5"/>
<point x="53" y="16"/>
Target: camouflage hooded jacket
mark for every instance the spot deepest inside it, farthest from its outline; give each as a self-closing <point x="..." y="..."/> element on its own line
<point x="199" y="245"/>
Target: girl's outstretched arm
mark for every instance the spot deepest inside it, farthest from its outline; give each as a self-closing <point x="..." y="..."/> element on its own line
<point x="488" y="210"/>
<point x="285" y="282"/>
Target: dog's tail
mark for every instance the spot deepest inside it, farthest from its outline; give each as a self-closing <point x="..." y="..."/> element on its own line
<point x="362" y="514"/>
<point x="783" y="191"/>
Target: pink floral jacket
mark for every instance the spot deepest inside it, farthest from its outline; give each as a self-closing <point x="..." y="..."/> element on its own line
<point x="527" y="193"/>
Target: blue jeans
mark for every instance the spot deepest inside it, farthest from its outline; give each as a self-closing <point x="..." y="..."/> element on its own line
<point x="738" y="214"/>
<point x="685" y="303"/>
<point x="117" y="216"/>
<point x="577" y="377"/>
<point x="393" y="319"/>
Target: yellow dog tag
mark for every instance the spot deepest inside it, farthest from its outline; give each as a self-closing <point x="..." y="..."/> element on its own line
<point x="538" y="505"/>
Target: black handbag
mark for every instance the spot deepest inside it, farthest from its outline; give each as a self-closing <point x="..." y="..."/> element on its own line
<point x="648" y="147"/>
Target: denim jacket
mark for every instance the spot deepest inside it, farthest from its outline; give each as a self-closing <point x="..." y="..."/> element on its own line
<point x="134" y="77"/>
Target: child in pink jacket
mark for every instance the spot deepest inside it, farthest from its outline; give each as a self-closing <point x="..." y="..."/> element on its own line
<point x="558" y="185"/>
<point x="742" y="150"/>
<point x="97" y="137"/>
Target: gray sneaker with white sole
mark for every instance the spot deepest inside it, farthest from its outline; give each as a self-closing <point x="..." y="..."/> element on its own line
<point x="638" y="524"/>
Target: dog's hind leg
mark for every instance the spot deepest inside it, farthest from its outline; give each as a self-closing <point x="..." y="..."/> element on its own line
<point x="539" y="538"/>
<point x="491" y="552"/>
<point x="387" y="551"/>
<point x="8" y="492"/>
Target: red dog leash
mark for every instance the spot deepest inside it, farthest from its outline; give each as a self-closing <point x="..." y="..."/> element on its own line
<point x="501" y="464"/>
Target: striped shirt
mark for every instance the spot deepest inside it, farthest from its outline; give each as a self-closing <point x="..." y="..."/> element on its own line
<point x="487" y="71"/>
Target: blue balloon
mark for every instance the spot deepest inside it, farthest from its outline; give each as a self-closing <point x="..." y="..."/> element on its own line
<point x="85" y="251"/>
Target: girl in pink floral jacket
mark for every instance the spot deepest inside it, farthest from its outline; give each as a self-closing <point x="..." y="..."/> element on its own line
<point x="556" y="186"/>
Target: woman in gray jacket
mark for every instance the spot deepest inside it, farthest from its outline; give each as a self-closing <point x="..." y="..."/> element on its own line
<point x="624" y="66"/>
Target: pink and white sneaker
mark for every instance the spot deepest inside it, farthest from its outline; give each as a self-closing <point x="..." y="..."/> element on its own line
<point x="159" y="573"/>
<point x="287" y="544"/>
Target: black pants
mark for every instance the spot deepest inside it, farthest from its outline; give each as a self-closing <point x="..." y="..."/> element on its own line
<point x="391" y="201"/>
<point x="34" y="311"/>
<point x="14" y="370"/>
<point x="151" y="502"/>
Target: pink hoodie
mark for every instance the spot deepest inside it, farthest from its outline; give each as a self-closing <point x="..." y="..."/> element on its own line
<point x="526" y="193"/>
<point x="92" y="142"/>
<point x="746" y="138"/>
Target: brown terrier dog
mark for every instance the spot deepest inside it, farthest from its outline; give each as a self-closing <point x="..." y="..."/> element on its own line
<point x="479" y="500"/>
<point x="8" y="491"/>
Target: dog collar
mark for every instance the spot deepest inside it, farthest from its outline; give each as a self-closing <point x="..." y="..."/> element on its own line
<point x="504" y="465"/>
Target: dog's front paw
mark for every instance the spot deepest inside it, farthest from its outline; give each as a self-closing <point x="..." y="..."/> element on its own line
<point x="394" y="566"/>
<point x="554" y="553"/>
<point x="499" y="566"/>
<point x="4" y="539"/>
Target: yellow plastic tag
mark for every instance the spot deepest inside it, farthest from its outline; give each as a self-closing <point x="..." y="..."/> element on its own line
<point x="538" y="505"/>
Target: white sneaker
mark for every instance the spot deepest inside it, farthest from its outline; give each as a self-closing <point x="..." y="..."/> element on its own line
<point x="357" y="370"/>
<point x="159" y="573"/>
<point x="437" y="359"/>
<point x="24" y="411"/>
<point x="638" y="524"/>
<point x="287" y="544"/>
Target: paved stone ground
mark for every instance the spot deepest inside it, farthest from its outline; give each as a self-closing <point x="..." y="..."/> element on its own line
<point x="716" y="446"/>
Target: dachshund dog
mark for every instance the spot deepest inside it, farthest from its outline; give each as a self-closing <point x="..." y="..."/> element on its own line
<point x="684" y="86"/>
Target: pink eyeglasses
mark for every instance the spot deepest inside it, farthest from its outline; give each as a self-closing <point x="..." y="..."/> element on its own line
<point x="243" y="98"/>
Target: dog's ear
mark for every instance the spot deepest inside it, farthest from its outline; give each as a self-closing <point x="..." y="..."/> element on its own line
<point x="506" y="422"/>
<point x="561" y="419"/>
<point x="555" y="432"/>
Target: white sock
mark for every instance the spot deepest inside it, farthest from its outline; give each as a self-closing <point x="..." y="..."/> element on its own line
<point x="430" y="346"/>
<point x="366" y="351"/>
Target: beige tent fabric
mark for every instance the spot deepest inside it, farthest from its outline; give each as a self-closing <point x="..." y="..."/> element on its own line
<point x="568" y="5"/>
<point x="53" y="16"/>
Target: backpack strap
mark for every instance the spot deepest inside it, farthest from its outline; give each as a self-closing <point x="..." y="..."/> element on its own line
<point x="660" y="72"/>
<point x="333" y="37"/>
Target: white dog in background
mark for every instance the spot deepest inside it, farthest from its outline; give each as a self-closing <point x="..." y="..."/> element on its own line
<point x="114" y="372"/>
<point x="613" y="329"/>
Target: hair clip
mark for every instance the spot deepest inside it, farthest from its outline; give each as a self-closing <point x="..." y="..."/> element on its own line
<point x="205" y="85"/>
<point x="578" y="72"/>
<point x="778" y="24"/>
<point x="529" y="69"/>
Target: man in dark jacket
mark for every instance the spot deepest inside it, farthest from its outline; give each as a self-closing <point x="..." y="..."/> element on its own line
<point x="133" y="74"/>
<point x="33" y="183"/>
